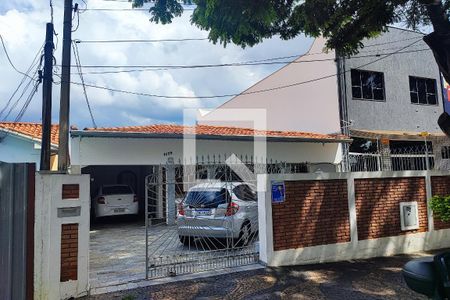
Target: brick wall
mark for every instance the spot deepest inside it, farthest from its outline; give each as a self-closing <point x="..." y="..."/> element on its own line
<point x="69" y="252"/>
<point x="314" y="213"/>
<point x="378" y="208"/>
<point x="70" y="191"/>
<point x="440" y="186"/>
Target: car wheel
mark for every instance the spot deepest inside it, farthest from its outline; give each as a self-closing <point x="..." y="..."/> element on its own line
<point x="245" y="235"/>
<point x="186" y="240"/>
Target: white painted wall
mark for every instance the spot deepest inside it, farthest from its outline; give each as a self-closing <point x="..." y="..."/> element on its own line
<point x="309" y="107"/>
<point x="47" y="234"/>
<point x="15" y="149"/>
<point x="433" y="239"/>
<point x="148" y="151"/>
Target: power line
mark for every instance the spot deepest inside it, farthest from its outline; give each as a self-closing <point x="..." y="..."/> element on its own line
<point x="33" y="65"/>
<point x="139" y="41"/>
<point x="127" y="9"/>
<point x="143" y="68"/>
<point x="9" y="59"/>
<point x="243" y="93"/>
<point x="80" y="71"/>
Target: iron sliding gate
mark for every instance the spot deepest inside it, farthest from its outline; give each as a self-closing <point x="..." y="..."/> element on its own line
<point x="203" y="217"/>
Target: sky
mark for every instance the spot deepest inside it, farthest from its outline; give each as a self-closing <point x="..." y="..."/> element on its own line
<point x="22" y="26"/>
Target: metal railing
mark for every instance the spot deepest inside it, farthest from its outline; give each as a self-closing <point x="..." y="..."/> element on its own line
<point x="400" y="159"/>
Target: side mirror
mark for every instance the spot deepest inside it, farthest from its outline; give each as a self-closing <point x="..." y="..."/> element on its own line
<point x="420" y="276"/>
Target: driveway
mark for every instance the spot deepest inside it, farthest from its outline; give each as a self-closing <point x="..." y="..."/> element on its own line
<point x="378" y="278"/>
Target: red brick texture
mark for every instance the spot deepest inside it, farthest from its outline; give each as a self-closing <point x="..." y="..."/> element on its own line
<point x="378" y="205"/>
<point x="440" y="186"/>
<point x="69" y="252"/>
<point x="70" y="191"/>
<point x="314" y="213"/>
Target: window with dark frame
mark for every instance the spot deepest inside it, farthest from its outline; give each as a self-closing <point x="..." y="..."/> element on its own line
<point x="423" y="90"/>
<point x="368" y="85"/>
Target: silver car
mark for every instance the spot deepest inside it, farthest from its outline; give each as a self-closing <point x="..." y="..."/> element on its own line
<point x="219" y="210"/>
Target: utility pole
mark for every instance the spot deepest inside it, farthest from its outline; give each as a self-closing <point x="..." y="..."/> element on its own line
<point x="47" y="99"/>
<point x="64" y="111"/>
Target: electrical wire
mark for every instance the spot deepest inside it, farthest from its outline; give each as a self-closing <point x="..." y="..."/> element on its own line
<point x="9" y="59"/>
<point x="33" y="65"/>
<point x="143" y="68"/>
<point x="80" y="72"/>
<point x="246" y="92"/>
<point x="139" y="41"/>
<point x="127" y="9"/>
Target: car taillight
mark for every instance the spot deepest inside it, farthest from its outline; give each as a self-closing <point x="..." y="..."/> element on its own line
<point x="232" y="209"/>
<point x="181" y="209"/>
<point x="101" y="200"/>
<point x="135" y="199"/>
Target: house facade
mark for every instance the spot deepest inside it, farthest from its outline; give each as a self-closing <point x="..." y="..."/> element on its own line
<point x="20" y="142"/>
<point x="131" y="155"/>
<point x="387" y="97"/>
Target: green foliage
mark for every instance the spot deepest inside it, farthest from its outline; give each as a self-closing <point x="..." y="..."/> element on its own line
<point x="345" y="23"/>
<point x="128" y="297"/>
<point x="441" y="207"/>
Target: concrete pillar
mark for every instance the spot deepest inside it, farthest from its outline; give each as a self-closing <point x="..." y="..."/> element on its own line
<point x="170" y="193"/>
<point x="61" y="235"/>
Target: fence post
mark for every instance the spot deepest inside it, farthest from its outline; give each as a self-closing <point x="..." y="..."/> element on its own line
<point x="429" y="193"/>
<point x="352" y="209"/>
<point x="170" y="193"/>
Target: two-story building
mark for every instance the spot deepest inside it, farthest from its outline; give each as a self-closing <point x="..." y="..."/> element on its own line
<point x="387" y="97"/>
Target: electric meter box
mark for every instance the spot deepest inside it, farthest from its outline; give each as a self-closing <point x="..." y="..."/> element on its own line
<point x="409" y="215"/>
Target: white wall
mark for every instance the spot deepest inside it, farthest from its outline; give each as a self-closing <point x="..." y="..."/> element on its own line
<point x="309" y="107"/>
<point x="14" y="149"/>
<point x="141" y="151"/>
<point x="47" y="236"/>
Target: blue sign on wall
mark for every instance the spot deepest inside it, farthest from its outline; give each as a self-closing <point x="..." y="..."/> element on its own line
<point x="278" y="192"/>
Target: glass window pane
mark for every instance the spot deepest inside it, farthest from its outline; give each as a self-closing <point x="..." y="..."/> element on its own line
<point x="432" y="99"/>
<point x="355" y="78"/>
<point x="377" y="80"/>
<point x="356" y="91"/>
<point x="378" y="94"/>
<point x="431" y="86"/>
<point x="422" y="91"/>
<point x="414" y="98"/>
<point x="412" y="84"/>
<point x="367" y="92"/>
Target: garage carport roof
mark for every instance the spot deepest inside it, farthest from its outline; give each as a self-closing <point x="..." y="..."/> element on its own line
<point x="208" y="132"/>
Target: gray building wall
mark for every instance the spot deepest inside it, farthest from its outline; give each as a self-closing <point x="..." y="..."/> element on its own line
<point x="396" y="112"/>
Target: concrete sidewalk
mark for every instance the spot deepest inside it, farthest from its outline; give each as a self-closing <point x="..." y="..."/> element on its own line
<point x="378" y="278"/>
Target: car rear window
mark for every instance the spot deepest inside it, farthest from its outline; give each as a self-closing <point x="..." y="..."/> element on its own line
<point x="206" y="199"/>
<point x="116" y="190"/>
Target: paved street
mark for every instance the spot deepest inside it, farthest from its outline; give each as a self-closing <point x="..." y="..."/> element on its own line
<point x="378" y="278"/>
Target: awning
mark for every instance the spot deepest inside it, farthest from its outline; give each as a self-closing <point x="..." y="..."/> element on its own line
<point x="395" y="134"/>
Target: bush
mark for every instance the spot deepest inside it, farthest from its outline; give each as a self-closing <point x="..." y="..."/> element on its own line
<point x="441" y="207"/>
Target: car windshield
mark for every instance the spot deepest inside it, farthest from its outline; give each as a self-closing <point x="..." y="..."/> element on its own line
<point x="116" y="190"/>
<point x="206" y="199"/>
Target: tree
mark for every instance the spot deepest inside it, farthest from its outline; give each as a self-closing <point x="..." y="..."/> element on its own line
<point x="345" y="23"/>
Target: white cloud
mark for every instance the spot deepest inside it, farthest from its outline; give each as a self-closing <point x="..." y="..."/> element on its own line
<point x="22" y="25"/>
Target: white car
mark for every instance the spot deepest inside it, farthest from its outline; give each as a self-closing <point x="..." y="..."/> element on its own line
<point x="219" y="211"/>
<point x="115" y="199"/>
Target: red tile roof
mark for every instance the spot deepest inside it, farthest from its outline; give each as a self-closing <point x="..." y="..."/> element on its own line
<point x="32" y="130"/>
<point x="217" y="131"/>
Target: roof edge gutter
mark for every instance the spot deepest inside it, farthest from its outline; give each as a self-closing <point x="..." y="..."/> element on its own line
<point x="104" y="134"/>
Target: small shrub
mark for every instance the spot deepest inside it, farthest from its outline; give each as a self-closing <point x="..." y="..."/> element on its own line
<point x="441" y="207"/>
<point x="128" y="297"/>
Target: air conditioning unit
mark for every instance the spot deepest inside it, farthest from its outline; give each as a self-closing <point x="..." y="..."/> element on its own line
<point x="409" y="215"/>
